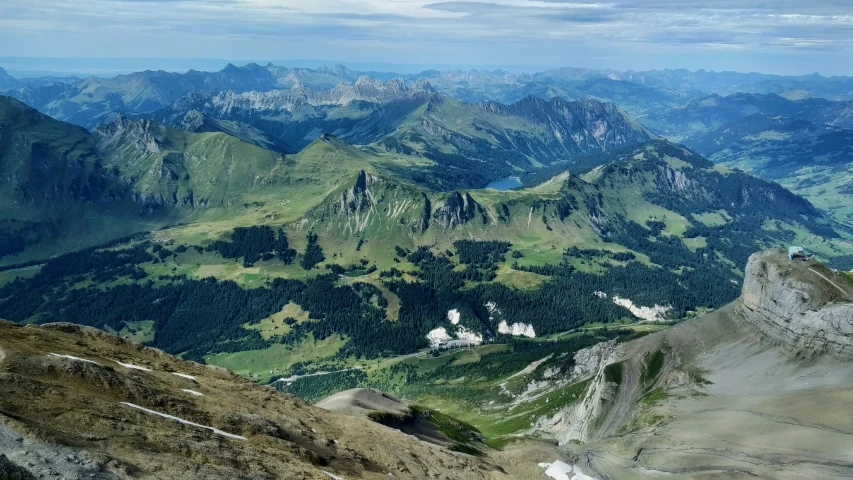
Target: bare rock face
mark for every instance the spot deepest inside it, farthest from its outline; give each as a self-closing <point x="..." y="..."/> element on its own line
<point x="144" y="135"/>
<point x="578" y="420"/>
<point x="457" y="210"/>
<point x="800" y="306"/>
<point x="358" y="198"/>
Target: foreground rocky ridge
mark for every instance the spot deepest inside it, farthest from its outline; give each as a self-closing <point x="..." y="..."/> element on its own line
<point x="78" y="402"/>
<point x="756" y="389"/>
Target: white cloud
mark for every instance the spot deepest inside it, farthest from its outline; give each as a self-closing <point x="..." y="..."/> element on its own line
<point x="548" y="32"/>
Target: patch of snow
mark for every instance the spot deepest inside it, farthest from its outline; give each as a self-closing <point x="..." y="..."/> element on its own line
<point x="654" y="314"/>
<point x="185" y="422"/>
<point x="132" y="366"/>
<point x="517" y="329"/>
<point x="69" y="357"/>
<point x="453" y="316"/>
<point x="183" y="375"/>
<point x="600" y="294"/>
<point x="192" y="392"/>
<point x="463" y="333"/>
<point x="438" y="335"/>
<point x="331" y="475"/>
<point x="563" y="471"/>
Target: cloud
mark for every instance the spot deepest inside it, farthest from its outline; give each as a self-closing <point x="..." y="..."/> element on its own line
<point x="517" y="31"/>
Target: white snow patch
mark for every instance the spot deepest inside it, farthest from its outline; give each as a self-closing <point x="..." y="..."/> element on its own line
<point x="184" y="375"/>
<point x="132" y="366"/>
<point x="517" y="329"/>
<point x="453" y="316"/>
<point x="185" y="422"/>
<point x="563" y="471"/>
<point x="600" y="294"/>
<point x="655" y="314"/>
<point x="463" y="333"/>
<point x="69" y="357"/>
<point x="192" y="392"/>
<point x="331" y="475"/>
<point x="438" y="335"/>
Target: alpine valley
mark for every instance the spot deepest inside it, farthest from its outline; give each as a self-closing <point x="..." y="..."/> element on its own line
<point x="474" y="272"/>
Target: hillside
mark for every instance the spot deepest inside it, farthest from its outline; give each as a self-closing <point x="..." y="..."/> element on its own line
<point x="70" y="189"/>
<point x="812" y="160"/>
<point x="56" y="186"/>
<point x="374" y="268"/>
<point x="84" y="404"/>
<point x="756" y="388"/>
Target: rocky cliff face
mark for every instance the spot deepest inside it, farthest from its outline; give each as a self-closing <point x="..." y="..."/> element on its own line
<point x="787" y="309"/>
<point x="358" y="198"/>
<point x="800" y="306"/>
<point x="145" y="135"/>
<point x="457" y="209"/>
<point x="230" y="104"/>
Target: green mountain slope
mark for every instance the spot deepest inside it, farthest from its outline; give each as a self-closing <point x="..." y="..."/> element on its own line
<point x="377" y="264"/>
<point x="69" y="188"/>
<point x="56" y="187"/>
<point x="342" y="252"/>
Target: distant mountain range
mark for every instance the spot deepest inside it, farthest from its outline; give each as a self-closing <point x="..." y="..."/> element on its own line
<point x="92" y="101"/>
<point x="470" y="144"/>
<point x="138" y="174"/>
<point x="813" y="160"/>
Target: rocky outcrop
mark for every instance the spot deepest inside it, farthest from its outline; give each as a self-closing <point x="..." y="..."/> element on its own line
<point x="144" y="134"/>
<point x="358" y="198"/>
<point x="798" y="305"/>
<point x="226" y="104"/>
<point x="458" y="209"/>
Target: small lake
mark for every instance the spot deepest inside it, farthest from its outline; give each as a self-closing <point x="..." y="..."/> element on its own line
<point x="509" y="183"/>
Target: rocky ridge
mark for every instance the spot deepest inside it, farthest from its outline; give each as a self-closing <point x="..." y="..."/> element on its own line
<point x="77" y="402"/>
<point x="800" y="307"/>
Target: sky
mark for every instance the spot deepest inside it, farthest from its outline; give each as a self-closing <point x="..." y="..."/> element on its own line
<point x="778" y="36"/>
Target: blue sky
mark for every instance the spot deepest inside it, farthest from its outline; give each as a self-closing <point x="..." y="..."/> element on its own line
<point x="781" y="36"/>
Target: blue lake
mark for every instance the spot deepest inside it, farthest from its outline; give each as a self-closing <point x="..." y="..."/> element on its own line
<point x="509" y="183"/>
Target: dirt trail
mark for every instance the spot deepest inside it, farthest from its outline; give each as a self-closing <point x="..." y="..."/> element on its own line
<point x="844" y="292"/>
